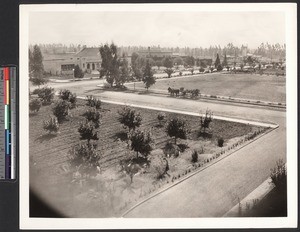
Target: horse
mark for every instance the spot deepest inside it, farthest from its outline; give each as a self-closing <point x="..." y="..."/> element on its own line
<point x="173" y="91"/>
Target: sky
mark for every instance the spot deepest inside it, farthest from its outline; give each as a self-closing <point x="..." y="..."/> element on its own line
<point x="167" y="29"/>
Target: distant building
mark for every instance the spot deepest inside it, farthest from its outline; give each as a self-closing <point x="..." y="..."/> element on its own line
<point x="59" y="64"/>
<point x="88" y="59"/>
<point x="154" y="53"/>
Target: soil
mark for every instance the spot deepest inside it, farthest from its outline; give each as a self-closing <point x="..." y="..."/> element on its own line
<point x="111" y="191"/>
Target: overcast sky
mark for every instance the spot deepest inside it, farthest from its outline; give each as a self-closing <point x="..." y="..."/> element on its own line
<point x="167" y="29"/>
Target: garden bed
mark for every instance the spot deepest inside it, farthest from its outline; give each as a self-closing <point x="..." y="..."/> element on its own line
<point x="110" y="193"/>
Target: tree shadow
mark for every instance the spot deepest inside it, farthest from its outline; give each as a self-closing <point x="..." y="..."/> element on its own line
<point x="205" y="135"/>
<point x="182" y="147"/>
<point x="141" y="161"/>
<point x="45" y="137"/>
<point x="120" y="136"/>
<point x="159" y="126"/>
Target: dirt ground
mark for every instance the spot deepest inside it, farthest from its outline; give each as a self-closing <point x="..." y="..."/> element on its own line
<point x="110" y="192"/>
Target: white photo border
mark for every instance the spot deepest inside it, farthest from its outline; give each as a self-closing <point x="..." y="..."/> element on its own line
<point x="290" y="10"/>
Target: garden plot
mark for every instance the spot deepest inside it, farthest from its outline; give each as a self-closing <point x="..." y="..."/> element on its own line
<point x="111" y="192"/>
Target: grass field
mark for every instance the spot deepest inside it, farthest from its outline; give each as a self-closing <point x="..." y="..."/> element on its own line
<point x="249" y="86"/>
<point x="111" y="189"/>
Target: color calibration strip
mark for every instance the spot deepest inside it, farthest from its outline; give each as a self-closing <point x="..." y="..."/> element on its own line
<point x="7" y="155"/>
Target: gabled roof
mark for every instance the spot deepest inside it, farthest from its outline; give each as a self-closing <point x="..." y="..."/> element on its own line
<point x="88" y="52"/>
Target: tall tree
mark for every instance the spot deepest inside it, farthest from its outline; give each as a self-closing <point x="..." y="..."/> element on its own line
<point x="36" y="67"/>
<point x="167" y="62"/>
<point x="217" y="62"/>
<point x="30" y="56"/>
<point x="124" y="72"/>
<point x="138" y="66"/>
<point x="190" y="61"/>
<point x="158" y="63"/>
<point x="225" y="61"/>
<point x="134" y="56"/>
<point x="110" y="62"/>
<point x="37" y="61"/>
<point x="178" y="61"/>
<point x="148" y="77"/>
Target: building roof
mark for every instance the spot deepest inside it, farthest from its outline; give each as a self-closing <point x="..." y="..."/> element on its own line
<point x="58" y="56"/>
<point x="88" y="52"/>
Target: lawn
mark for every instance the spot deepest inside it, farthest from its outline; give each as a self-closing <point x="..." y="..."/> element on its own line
<point x="110" y="193"/>
<point x="249" y="86"/>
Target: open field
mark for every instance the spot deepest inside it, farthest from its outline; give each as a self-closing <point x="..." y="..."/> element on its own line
<point x="249" y="86"/>
<point x="111" y="191"/>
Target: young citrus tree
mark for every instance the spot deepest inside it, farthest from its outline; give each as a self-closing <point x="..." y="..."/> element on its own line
<point x="129" y="118"/>
<point x="141" y="142"/>
<point x="177" y="128"/>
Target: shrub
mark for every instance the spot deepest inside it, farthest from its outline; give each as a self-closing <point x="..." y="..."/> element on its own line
<point x="86" y="131"/>
<point x="180" y="73"/>
<point x="38" y="80"/>
<point x="51" y="125"/>
<point x="201" y="70"/>
<point x="129" y="118"/>
<point x="278" y="175"/>
<point x="35" y="105"/>
<point x="219" y="68"/>
<point x="78" y="73"/>
<point x="67" y="95"/>
<point x="46" y="94"/>
<point x="161" y="166"/>
<point x="85" y="159"/>
<point x="93" y="102"/>
<point x="61" y="109"/>
<point x="220" y="142"/>
<point x="194" y="156"/>
<point x="171" y="149"/>
<point x="94" y="116"/>
<point x="64" y="94"/>
<point x="161" y="116"/>
<point x="72" y="100"/>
